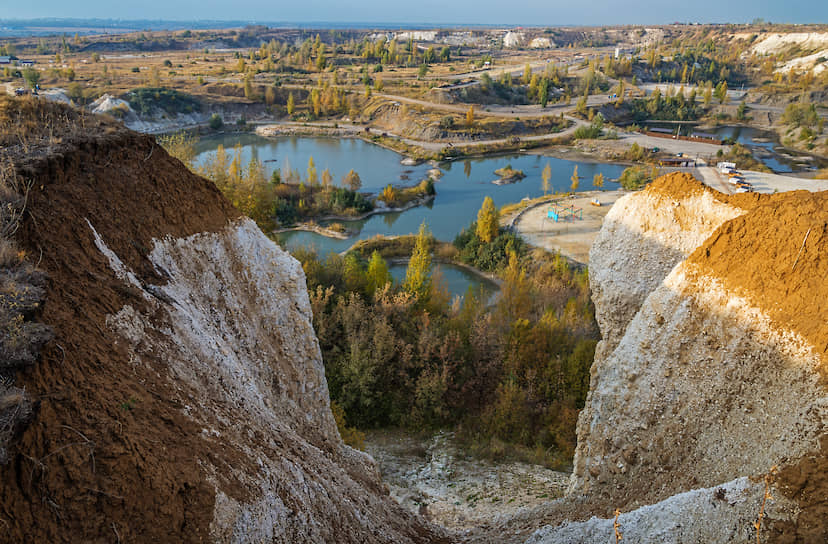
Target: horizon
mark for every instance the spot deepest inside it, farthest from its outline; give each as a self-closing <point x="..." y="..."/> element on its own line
<point x="430" y="13"/>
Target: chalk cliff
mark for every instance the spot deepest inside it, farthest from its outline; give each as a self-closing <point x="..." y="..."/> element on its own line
<point x="183" y="397"/>
<point x="712" y="369"/>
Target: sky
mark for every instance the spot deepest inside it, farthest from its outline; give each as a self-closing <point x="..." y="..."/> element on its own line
<point x="470" y="12"/>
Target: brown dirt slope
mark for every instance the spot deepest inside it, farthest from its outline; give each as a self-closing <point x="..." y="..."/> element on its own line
<point x="110" y="455"/>
<point x="777" y="257"/>
<point x="104" y="445"/>
<point x="681" y="185"/>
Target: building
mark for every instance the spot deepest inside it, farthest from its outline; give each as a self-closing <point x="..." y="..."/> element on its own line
<point x="27" y="63"/>
<point x="5" y="60"/>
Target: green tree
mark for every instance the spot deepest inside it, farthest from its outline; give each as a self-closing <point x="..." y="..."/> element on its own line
<point x="575" y="179"/>
<point x="216" y="122"/>
<point x="422" y="71"/>
<point x="488" y="221"/>
<point x="543" y="92"/>
<point x="377" y="275"/>
<point x="32" y="77"/>
<point x="740" y="112"/>
<point x="485" y="81"/>
<point x="291" y="104"/>
<point x="546" y="177"/>
<point x="418" y="274"/>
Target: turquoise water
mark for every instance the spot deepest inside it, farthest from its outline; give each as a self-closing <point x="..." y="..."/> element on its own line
<point x="376" y="166"/>
<point x="460" y="191"/>
<point x="457" y="280"/>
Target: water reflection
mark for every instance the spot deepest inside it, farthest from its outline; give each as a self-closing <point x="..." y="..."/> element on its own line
<point x="460" y="192"/>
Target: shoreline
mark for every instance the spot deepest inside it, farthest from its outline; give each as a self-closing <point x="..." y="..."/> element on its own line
<point x="377" y="211"/>
<point x="314" y="228"/>
<point x="311" y="226"/>
<point x="487" y="276"/>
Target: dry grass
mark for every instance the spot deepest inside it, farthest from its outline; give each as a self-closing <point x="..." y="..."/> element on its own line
<point x="22" y="287"/>
<point x="29" y="126"/>
<point x="768" y="480"/>
<point x="617" y="526"/>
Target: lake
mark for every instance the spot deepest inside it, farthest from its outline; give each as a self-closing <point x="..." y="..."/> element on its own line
<point x="456" y="279"/>
<point x="460" y="192"/>
<point x="376" y="166"/>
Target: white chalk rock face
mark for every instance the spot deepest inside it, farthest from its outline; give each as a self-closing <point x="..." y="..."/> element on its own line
<point x="234" y="324"/>
<point x="723" y="514"/>
<point x="699" y="380"/>
<point x="642" y="238"/>
<point x="696" y="384"/>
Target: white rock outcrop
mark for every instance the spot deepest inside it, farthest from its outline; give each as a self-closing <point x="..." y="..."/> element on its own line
<point x="642" y="238"/>
<point x="512" y="39"/>
<point x="724" y="513"/>
<point x="699" y="388"/>
<point x="237" y="328"/>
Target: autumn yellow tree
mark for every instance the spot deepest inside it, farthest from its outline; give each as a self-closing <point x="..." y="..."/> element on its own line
<point x="248" y="88"/>
<point x="598" y="180"/>
<point x="575" y="179"/>
<point x="291" y="104"/>
<point x="470" y="116"/>
<point x="546" y="177"/>
<point x="352" y="181"/>
<point x="154" y="79"/>
<point x="327" y="178"/>
<point x="388" y="194"/>
<point x="315" y="102"/>
<point x="313" y="178"/>
<point x="418" y="274"/>
<point x="487" y="221"/>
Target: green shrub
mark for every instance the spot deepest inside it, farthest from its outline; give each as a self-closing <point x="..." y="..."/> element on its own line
<point x="635" y="177"/>
<point x="146" y="100"/>
<point x="489" y="257"/>
<point x="216" y="122"/>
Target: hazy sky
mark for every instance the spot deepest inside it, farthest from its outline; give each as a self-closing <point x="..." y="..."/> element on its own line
<point x="526" y="12"/>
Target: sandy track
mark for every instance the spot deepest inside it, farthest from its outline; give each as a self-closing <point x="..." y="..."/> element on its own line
<point x="573" y="237"/>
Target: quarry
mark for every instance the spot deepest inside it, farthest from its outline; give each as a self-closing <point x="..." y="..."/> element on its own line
<point x="184" y="378"/>
<point x="257" y="284"/>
